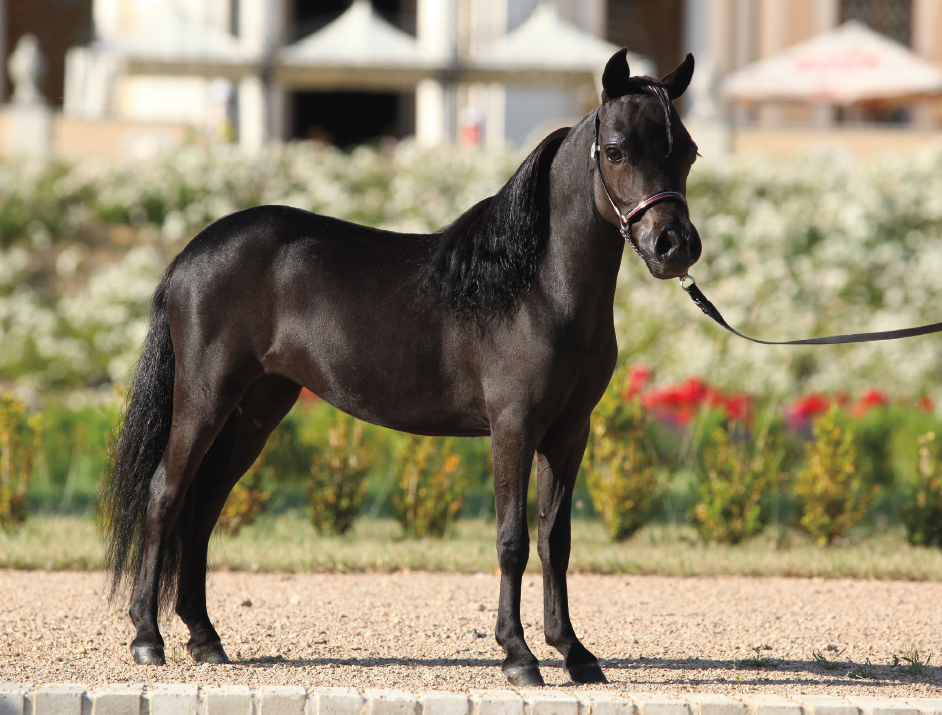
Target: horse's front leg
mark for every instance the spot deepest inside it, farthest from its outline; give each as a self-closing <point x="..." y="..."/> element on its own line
<point x="558" y="459"/>
<point x="513" y="457"/>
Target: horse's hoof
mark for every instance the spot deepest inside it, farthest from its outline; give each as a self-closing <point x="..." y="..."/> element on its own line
<point x="526" y="675"/>
<point x="208" y="653"/>
<point x="148" y="655"/>
<point x="590" y="673"/>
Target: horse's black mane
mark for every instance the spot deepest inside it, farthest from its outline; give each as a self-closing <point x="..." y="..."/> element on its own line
<point x="487" y="259"/>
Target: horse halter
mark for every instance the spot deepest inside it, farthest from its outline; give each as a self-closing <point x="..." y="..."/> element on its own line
<point x="625" y="219"/>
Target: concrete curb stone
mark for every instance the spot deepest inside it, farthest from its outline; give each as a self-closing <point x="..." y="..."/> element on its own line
<point x="712" y="704"/>
<point x="58" y="699"/>
<point x="826" y="705"/>
<point x="772" y="705"/>
<point x="391" y="702"/>
<point x="281" y="700"/>
<point x="875" y="705"/>
<point x="496" y="702"/>
<point x="549" y="702"/>
<point x="176" y="699"/>
<point x="13" y="698"/>
<point x="602" y="703"/>
<point x="926" y="706"/>
<point x="190" y="699"/>
<point x="444" y="703"/>
<point x="117" y="699"/>
<point x="226" y="700"/>
<point x="655" y="704"/>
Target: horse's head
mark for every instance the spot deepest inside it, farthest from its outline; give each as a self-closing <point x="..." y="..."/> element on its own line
<point x="643" y="154"/>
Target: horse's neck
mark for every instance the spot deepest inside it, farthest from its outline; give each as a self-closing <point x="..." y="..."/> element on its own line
<point x="584" y="250"/>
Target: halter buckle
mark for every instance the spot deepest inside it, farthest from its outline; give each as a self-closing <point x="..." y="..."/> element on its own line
<point x="683" y="282"/>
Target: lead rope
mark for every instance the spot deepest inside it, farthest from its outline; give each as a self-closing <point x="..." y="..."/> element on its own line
<point x="696" y="295"/>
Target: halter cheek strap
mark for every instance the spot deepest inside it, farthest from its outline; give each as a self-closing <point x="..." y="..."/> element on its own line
<point x="625" y="219"/>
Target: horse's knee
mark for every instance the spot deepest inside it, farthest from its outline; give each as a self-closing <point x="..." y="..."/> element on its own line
<point x="513" y="554"/>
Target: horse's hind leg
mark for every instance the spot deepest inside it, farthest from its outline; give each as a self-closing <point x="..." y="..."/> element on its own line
<point x="264" y="405"/>
<point x="513" y="457"/>
<point x="558" y="459"/>
<point x="200" y="410"/>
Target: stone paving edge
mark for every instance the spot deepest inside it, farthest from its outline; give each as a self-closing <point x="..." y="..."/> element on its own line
<point x="186" y="699"/>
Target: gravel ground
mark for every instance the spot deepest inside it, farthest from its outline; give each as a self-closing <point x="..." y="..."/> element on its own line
<point x="420" y="631"/>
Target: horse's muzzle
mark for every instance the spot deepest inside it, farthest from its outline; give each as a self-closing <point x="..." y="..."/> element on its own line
<point x="676" y="247"/>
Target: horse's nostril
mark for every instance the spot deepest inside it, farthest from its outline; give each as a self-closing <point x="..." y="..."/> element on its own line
<point x="665" y="242"/>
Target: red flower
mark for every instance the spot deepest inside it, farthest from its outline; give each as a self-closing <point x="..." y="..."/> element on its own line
<point x="926" y="403"/>
<point x="806" y="408"/>
<point x="736" y="406"/>
<point x="638" y="378"/>
<point x="809" y="406"/>
<point x="678" y="403"/>
<point x="306" y="394"/>
<point x="868" y="400"/>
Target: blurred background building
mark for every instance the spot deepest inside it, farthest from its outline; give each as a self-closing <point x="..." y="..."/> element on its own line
<point x="127" y="79"/>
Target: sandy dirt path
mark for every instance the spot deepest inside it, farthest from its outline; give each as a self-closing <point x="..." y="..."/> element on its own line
<point x="421" y="631"/>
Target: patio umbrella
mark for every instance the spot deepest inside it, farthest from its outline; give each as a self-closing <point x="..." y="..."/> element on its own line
<point x="849" y="64"/>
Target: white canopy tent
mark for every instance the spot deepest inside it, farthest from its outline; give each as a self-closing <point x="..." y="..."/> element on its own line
<point x="548" y="50"/>
<point x="358" y="50"/>
<point x="176" y="47"/>
<point x="849" y="64"/>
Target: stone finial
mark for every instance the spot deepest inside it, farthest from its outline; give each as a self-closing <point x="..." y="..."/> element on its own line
<point x="27" y="66"/>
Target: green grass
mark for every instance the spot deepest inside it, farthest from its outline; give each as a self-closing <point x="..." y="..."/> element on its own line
<point x="288" y="543"/>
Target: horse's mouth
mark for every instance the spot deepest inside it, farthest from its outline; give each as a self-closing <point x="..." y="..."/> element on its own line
<point x="675" y="250"/>
<point x="671" y="271"/>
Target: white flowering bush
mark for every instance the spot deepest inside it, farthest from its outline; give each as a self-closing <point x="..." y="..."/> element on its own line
<point x="791" y="249"/>
<point x="796" y="249"/>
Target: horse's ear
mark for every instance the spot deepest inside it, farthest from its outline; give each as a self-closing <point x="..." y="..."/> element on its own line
<point x="616" y="76"/>
<point x="678" y="80"/>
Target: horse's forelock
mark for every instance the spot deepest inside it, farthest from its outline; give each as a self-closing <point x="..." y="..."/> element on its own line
<point x="642" y="84"/>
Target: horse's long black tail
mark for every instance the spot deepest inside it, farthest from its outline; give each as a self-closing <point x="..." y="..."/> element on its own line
<point x="143" y="434"/>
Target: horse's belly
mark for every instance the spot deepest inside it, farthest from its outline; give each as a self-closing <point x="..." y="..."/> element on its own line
<point x="402" y="392"/>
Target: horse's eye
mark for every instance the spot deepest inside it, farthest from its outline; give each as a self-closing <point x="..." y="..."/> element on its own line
<point x="613" y="153"/>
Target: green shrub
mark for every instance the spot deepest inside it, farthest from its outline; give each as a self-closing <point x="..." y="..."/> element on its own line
<point x="832" y="492"/>
<point x="620" y="463"/>
<point x="19" y="441"/>
<point x="922" y="512"/>
<point x="430" y="488"/>
<point x="733" y="489"/>
<point x="73" y="456"/>
<point x="246" y="500"/>
<point x="286" y="459"/>
<point x="339" y="477"/>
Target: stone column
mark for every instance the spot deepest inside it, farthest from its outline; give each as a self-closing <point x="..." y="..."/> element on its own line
<point x="704" y="117"/>
<point x="261" y="25"/>
<point x="927" y="21"/>
<point x="435" y="99"/>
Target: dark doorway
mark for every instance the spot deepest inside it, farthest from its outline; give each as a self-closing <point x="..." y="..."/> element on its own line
<point x="311" y="15"/>
<point x="349" y="118"/>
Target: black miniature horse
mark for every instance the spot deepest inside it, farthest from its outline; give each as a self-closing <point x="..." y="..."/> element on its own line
<point x="500" y="324"/>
